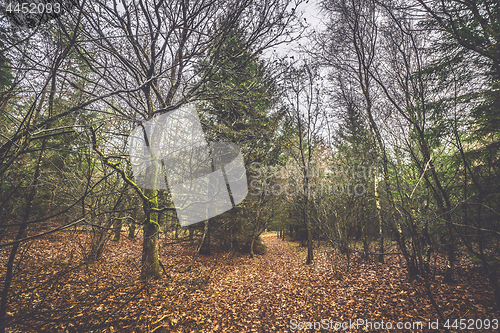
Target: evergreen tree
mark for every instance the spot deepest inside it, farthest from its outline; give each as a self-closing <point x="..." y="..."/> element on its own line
<point x="238" y="98"/>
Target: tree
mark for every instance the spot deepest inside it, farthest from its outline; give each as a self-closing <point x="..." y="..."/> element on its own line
<point x="303" y="103"/>
<point x="468" y="69"/>
<point x="147" y="55"/>
<point x="35" y="119"/>
<point x="238" y="108"/>
<point x="349" y="48"/>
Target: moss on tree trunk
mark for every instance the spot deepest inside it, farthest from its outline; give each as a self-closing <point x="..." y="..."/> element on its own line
<point x="150" y="265"/>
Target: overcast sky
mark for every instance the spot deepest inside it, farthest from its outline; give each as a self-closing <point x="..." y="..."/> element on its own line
<point x="311" y="13"/>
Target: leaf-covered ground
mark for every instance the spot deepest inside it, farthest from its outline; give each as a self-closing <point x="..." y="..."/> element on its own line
<point x="227" y="292"/>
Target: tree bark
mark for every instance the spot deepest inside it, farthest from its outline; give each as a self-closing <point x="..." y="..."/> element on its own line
<point x="251" y="247"/>
<point x="20" y="234"/>
<point x="380" y="258"/>
<point x="131" y="227"/>
<point x="204" y="247"/>
<point x="307" y="221"/>
<point x="150" y="266"/>
<point x="118" y="230"/>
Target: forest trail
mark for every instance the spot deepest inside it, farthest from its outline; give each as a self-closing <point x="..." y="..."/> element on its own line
<point x="260" y="294"/>
<point x="265" y="291"/>
<point x="271" y="292"/>
<point x="276" y="291"/>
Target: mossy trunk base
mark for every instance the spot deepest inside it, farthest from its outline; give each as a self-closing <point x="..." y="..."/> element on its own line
<point x="150" y="268"/>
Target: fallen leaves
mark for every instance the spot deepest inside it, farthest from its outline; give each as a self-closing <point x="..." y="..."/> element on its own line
<point x="242" y="295"/>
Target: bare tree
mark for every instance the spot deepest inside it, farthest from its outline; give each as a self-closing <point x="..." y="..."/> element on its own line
<point x="145" y="54"/>
<point x="303" y="102"/>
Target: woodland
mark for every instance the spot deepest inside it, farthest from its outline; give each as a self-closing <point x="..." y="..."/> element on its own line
<point x="370" y="140"/>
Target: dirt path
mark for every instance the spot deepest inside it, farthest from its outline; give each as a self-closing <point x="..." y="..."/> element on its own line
<point x="267" y="293"/>
<point x="276" y="291"/>
<point x="263" y="293"/>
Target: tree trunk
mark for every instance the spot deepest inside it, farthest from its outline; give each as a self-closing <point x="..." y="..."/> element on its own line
<point x="98" y="240"/>
<point x="51" y="200"/>
<point x="162" y="221"/>
<point x="379" y="216"/>
<point x="443" y="202"/>
<point x="118" y="230"/>
<point x="204" y="247"/>
<point x="310" y="255"/>
<point x="131" y="231"/>
<point x="251" y="247"/>
<point x="377" y="140"/>
<point x="366" y="244"/>
<point x="20" y="235"/>
<point x="176" y="232"/>
<point x="8" y="278"/>
<point x="132" y="226"/>
<point x="150" y="265"/>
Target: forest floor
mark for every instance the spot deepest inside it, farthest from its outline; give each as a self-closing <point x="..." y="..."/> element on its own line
<point x="230" y="292"/>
